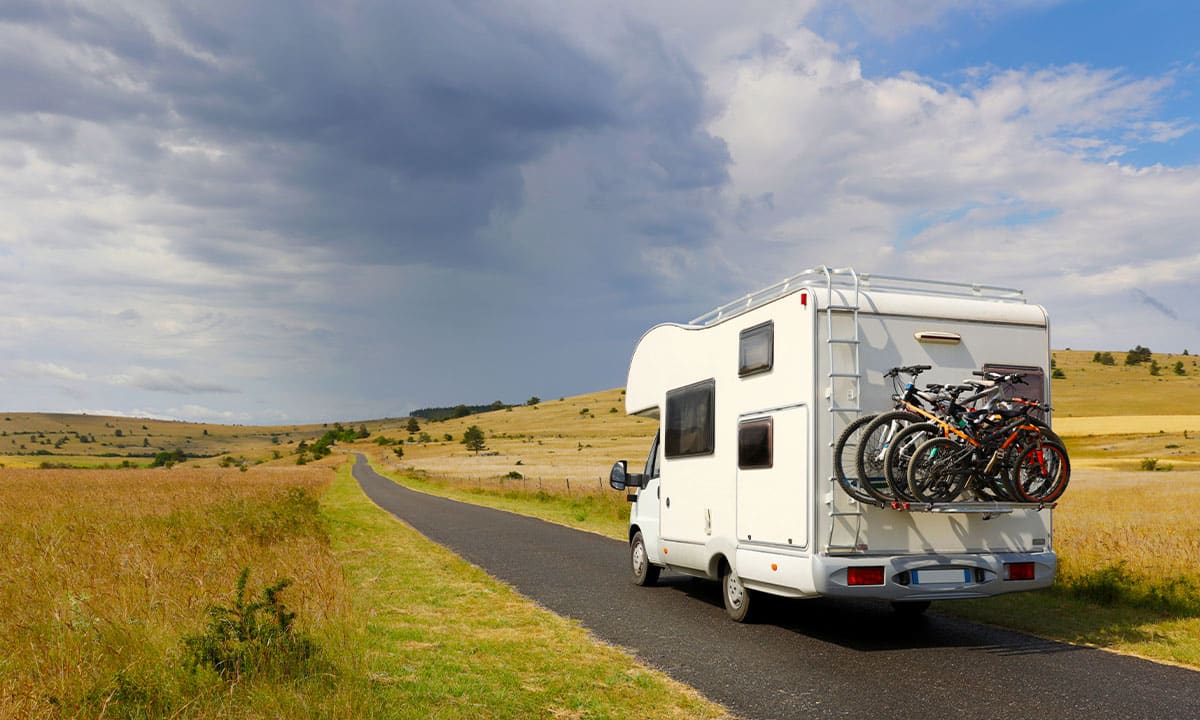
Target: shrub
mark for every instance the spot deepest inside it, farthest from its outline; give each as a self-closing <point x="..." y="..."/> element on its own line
<point x="251" y="638"/>
<point x="1058" y="374"/>
<point x="1137" y="355"/>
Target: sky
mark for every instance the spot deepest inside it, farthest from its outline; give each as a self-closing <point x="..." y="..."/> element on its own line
<point x="286" y="212"/>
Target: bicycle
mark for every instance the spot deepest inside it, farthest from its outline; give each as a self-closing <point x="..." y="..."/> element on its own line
<point x="1000" y="454"/>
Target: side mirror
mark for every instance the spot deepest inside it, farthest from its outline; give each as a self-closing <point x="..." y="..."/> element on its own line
<point x="620" y="478"/>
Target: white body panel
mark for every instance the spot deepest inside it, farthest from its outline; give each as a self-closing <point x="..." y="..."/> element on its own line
<point x="784" y="529"/>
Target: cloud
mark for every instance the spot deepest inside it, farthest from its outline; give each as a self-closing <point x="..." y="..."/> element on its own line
<point x="157" y="380"/>
<point x="326" y="211"/>
<point x="48" y="370"/>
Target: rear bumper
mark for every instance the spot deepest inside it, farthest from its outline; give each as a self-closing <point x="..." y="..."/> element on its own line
<point x="982" y="575"/>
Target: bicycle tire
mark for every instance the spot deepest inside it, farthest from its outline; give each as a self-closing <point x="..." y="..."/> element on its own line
<point x="868" y="459"/>
<point x="1001" y="482"/>
<point x="849" y="439"/>
<point x="900" y="450"/>
<point x="935" y="473"/>
<point x="1041" y="473"/>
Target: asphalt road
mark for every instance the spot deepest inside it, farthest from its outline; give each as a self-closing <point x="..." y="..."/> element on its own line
<point x="804" y="658"/>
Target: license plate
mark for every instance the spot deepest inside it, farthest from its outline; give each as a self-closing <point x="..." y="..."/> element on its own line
<point x="941" y="576"/>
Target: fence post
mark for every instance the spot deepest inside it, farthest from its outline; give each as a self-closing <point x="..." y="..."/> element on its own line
<point x="568" y="486"/>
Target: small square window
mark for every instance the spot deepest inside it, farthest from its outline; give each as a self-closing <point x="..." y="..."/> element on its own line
<point x="755" y="444"/>
<point x="756" y="349"/>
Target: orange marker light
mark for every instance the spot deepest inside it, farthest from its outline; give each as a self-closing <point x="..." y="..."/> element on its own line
<point x="774" y="566"/>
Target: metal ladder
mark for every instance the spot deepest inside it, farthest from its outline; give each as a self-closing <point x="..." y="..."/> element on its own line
<point x="847" y="380"/>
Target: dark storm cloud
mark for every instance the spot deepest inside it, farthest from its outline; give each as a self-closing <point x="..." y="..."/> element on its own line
<point x="393" y="132"/>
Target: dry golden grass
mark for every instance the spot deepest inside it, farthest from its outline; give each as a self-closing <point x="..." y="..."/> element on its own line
<point x="553" y="442"/>
<point x="102" y="569"/>
<point x="1148" y="521"/>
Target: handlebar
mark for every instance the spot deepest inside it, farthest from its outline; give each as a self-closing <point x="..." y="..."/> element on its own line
<point x="913" y="370"/>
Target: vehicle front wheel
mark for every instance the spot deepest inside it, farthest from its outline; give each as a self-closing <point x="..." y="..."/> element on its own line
<point x="643" y="572"/>
<point x="737" y="598"/>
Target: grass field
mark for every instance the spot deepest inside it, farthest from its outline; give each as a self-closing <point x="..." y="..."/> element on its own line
<point x="108" y="569"/>
<point x="106" y="574"/>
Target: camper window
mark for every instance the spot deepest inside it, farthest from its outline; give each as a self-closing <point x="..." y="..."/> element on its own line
<point x="690" y="420"/>
<point x="755" y="444"/>
<point x="756" y="349"/>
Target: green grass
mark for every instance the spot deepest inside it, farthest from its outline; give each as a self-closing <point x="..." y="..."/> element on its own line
<point x="441" y="639"/>
<point x="1095" y="615"/>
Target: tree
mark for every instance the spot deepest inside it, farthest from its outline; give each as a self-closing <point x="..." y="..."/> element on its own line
<point x="498" y="405"/>
<point x="168" y="458"/>
<point x="533" y="401"/>
<point x="413" y="426"/>
<point x="1108" y="359"/>
<point x="460" y="411"/>
<point x="1096" y="357"/>
<point x="1154" y="368"/>
<point x="1179" y="368"/>
<point x="363" y="432"/>
<point x="399" y="451"/>
<point x="474" y="440"/>
<point x="1137" y="355"/>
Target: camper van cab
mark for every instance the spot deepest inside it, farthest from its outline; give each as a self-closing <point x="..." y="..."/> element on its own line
<point x="738" y="485"/>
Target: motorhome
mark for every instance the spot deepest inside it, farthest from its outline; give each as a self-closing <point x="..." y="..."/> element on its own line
<point x="738" y="485"/>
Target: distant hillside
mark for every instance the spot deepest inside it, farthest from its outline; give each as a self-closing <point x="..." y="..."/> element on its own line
<point x="1162" y="384"/>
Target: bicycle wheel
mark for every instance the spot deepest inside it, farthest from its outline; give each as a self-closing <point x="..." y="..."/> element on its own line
<point x="848" y="442"/>
<point x="900" y="450"/>
<point x="1000" y="483"/>
<point x="935" y="472"/>
<point x="868" y="460"/>
<point x="1041" y="473"/>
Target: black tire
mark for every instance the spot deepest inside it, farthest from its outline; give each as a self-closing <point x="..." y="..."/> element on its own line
<point x="911" y="609"/>
<point x="642" y="571"/>
<point x="900" y="452"/>
<point x="738" y="600"/>
<point x="869" y="459"/>
<point x="934" y="474"/>
<point x="847" y="443"/>
<point x="1041" y="473"/>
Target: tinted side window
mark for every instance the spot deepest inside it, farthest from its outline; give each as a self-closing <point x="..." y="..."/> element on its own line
<point x="756" y="349"/>
<point x="652" y="459"/>
<point x="691" y="420"/>
<point x="755" y="444"/>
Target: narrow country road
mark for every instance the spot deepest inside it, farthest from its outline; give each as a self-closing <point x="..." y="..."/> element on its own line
<point x="806" y="659"/>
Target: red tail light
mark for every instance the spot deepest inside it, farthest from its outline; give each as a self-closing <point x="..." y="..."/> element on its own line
<point x="1018" y="571"/>
<point x="864" y="575"/>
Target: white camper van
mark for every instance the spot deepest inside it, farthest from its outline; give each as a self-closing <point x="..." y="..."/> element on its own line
<point x="750" y="398"/>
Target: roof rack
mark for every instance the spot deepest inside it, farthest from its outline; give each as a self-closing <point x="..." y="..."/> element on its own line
<point x="846" y="277"/>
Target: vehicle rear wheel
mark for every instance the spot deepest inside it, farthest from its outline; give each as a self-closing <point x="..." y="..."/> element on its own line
<point x="737" y="598"/>
<point x="643" y="572"/>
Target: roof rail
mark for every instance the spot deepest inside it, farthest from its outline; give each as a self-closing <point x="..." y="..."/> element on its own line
<point x="828" y="277"/>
